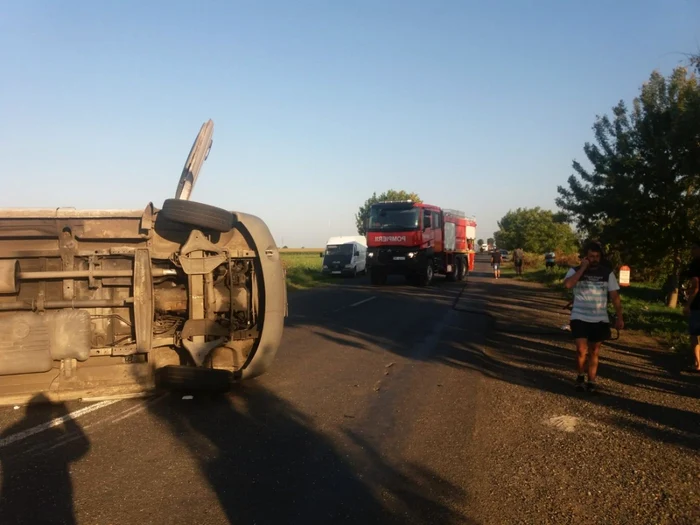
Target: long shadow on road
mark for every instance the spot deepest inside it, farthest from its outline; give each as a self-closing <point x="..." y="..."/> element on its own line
<point x="524" y="345"/>
<point x="268" y="465"/>
<point x="546" y="363"/>
<point x="37" y="487"/>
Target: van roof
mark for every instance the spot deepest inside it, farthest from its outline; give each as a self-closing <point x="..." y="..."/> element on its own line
<point x="345" y="239"/>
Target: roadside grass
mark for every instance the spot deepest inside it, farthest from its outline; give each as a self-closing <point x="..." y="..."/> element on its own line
<point x="643" y="305"/>
<point x="303" y="269"/>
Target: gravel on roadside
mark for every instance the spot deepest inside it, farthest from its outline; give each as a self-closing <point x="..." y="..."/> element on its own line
<point x="549" y="454"/>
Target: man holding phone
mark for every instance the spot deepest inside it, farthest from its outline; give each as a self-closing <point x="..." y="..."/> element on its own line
<point x="518" y="257"/>
<point x="592" y="281"/>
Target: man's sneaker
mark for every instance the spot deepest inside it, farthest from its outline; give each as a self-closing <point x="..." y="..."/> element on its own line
<point x="581" y="383"/>
<point x="591" y="387"/>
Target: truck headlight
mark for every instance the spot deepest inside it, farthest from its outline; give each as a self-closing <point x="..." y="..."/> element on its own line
<point x="370" y="254"/>
<point x="411" y="255"/>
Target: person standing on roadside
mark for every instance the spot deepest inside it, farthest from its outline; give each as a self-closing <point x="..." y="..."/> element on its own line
<point x="692" y="306"/>
<point x="592" y="281"/>
<point x="550" y="260"/>
<point x="518" y="257"/>
<point x="496" y="260"/>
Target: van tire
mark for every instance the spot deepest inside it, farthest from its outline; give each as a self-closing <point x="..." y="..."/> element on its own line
<point x="198" y="215"/>
<point x="190" y="379"/>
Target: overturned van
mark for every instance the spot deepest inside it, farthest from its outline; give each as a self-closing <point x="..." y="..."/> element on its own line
<point x="115" y="303"/>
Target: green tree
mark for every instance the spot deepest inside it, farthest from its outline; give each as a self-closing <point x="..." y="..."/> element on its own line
<point x="490" y="241"/>
<point x="641" y="196"/>
<point x="480" y="242"/>
<point x="362" y="215"/>
<point x="695" y="62"/>
<point x="535" y="230"/>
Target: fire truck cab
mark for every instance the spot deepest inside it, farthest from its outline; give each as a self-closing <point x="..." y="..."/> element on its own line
<point x="418" y="240"/>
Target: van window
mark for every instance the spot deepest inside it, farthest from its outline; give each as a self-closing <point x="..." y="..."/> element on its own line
<point x="335" y="249"/>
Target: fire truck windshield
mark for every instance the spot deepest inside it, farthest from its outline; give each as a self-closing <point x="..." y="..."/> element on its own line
<point x="393" y="219"/>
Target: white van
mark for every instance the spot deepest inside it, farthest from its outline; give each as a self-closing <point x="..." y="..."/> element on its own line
<point x="346" y="255"/>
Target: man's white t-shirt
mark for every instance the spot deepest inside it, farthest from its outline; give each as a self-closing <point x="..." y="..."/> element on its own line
<point x="591" y="294"/>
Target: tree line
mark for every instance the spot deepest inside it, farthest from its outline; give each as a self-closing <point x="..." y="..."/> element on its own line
<point x="639" y="195"/>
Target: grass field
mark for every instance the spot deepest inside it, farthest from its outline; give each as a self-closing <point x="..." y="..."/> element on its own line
<point x="303" y="267"/>
<point x="643" y="305"/>
<point x="301" y="250"/>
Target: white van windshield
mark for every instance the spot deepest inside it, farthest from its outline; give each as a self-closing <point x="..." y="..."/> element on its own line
<point x="339" y="249"/>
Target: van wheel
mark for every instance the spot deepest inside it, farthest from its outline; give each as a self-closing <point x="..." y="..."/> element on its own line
<point x="198" y="215"/>
<point x="193" y="379"/>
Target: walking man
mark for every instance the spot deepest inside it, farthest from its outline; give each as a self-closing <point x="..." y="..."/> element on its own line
<point x="692" y="306"/>
<point x="592" y="281"/>
<point x="518" y="257"/>
<point x="496" y="260"/>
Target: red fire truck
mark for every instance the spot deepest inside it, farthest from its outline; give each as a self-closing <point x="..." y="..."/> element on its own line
<point x="418" y="240"/>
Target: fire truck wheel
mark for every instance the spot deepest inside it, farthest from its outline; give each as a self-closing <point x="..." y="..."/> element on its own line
<point x="452" y="275"/>
<point x="461" y="269"/>
<point x="426" y="277"/>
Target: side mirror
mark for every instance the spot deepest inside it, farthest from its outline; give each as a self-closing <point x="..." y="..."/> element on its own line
<point x="357" y="254"/>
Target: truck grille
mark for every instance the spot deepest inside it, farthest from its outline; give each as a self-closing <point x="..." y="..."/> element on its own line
<point x="386" y="255"/>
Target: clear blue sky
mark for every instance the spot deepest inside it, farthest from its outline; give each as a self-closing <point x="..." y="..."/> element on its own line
<point x="479" y="106"/>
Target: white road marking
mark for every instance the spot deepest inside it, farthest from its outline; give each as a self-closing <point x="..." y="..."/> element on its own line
<point x="53" y="423"/>
<point x="563" y="423"/>
<point x="137" y="409"/>
<point x="43" y="448"/>
<point x="358" y="303"/>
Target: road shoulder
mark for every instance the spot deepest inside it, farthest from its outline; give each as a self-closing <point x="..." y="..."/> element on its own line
<point x="553" y="455"/>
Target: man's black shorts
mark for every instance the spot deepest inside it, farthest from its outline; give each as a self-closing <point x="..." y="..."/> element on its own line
<point x="694" y="323"/>
<point x="594" y="332"/>
<point x="518" y="262"/>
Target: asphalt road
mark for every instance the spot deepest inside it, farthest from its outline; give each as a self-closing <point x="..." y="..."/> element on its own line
<point x="372" y="413"/>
